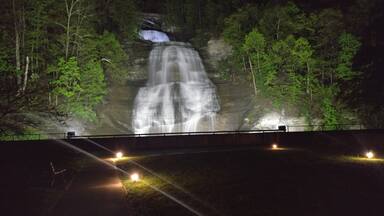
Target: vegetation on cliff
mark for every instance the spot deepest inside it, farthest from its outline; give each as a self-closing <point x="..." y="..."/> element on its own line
<point x="317" y="57"/>
<point x="58" y="56"/>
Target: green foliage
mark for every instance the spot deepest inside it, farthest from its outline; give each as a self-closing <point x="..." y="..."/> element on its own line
<point x="289" y="55"/>
<point x="279" y="21"/>
<point x="194" y="16"/>
<point x="92" y="84"/>
<point x="296" y="57"/>
<point x="328" y="25"/>
<point x="125" y="17"/>
<point x="80" y="90"/>
<point x="5" y="66"/>
<point x="254" y="48"/>
<point x="330" y="113"/>
<point x="113" y="57"/>
<point x="68" y="83"/>
<point x="69" y="55"/>
<point x="237" y="26"/>
<point x="302" y="52"/>
<point x="349" y="46"/>
<point x="254" y="42"/>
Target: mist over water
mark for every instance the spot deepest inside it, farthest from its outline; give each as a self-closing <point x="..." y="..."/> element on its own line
<point x="178" y="96"/>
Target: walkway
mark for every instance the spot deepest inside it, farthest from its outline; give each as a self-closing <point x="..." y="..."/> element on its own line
<point x="97" y="190"/>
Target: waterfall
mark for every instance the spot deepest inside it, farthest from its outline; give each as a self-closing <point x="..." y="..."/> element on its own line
<point x="178" y="96"/>
<point x="154" y="36"/>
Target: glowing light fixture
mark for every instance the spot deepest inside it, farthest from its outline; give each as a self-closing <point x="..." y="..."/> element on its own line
<point x="135" y="177"/>
<point x="275" y="146"/>
<point x="119" y="155"/>
<point x="370" y="155"/>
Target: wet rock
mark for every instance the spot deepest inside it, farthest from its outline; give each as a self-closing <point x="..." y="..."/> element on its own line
<point x="218" y="50"/>
<point x="138" y="52"/>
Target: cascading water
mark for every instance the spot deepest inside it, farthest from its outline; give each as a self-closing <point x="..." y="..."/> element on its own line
<point x="178" y="96"/>
<point x="154" y="36"/>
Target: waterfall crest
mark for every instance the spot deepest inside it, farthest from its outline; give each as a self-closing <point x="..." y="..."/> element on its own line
<point x="154" y="36"/>
<point x="178" y="96"/>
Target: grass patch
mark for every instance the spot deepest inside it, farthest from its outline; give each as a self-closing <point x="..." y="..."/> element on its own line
<point x="357" y="160"/>
<point x="257" y="182"/>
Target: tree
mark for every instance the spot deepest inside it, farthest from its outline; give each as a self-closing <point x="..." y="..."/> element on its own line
<point x="67" y="86"/>
<point x="349" y="46"/>
<point x="238" y="25"/>
<point x="303" y="52"/>
<point x="261" y="63"/>
<point x="124" y="15"/>
<point x="93" y="90"/>
<point x="288" y="86"/>
<point x="79" y="89"/>
<point x="254" y="46"/>
<point x="328" y="25"/>
<point x="19" y="24"/>
<point x="71" y="11"/>
<point x="330" y="114"/>
<point x="279" y="21"/>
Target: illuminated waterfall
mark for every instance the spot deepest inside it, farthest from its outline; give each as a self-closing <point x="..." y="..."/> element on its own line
<point x="154" y="36"/>
<point x="178" y="96"/>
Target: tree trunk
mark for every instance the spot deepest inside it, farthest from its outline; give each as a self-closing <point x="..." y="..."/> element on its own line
<point x="26" y="74"/>
<point x="253" y="75"/>
<point x="68" y="33"/>
<point x="17" y="42"/>
<point x="308" y="72"/>
<point x="258" y="64"/>
<point x="278" y="29"/>
<point x="22" y="32"/>
<point x="69" y="8"/>
<point x="244" y="65"/>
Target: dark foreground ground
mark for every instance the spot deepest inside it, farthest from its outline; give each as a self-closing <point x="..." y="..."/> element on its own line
<point x="257" y="182"/>
<point x="215" y="181"/>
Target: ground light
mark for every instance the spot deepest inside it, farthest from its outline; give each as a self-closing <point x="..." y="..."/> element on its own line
<point x="275" y="147"/>
<point x="119" y="155"/>
<point x="370" y="155"/>
<point x="135" y="177"/>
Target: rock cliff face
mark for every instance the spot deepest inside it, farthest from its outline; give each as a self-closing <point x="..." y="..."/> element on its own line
<point x="239" y="108"/>
<point x="138" y="52"/>
<point x="217" y="50"/>
<point x="116" y="115"/>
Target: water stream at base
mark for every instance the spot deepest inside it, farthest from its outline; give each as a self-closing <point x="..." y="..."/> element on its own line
<point x="178" y="96"/>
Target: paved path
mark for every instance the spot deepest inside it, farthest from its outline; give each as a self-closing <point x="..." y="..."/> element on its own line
<point x="97" y="190"/>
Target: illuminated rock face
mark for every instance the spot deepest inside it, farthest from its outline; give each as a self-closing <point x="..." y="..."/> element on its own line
<point x="178" y="96"/>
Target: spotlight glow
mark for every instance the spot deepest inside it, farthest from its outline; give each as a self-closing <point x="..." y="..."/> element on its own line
<point x="275" y="146"/>
<point x="119" y="155"/>
<point x="135" y="177"/>
<point x="370" y="155"/>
